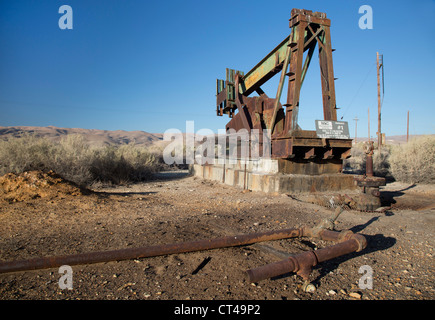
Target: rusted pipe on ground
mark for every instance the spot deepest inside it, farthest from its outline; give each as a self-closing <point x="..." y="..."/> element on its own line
<point x="303" y="263"/>
<point x="149" y="251"/>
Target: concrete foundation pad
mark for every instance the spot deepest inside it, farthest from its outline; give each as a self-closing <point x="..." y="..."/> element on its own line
<point x="264" y="176"/>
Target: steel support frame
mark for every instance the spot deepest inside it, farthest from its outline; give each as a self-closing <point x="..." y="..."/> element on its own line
<point x="308" y="30"/>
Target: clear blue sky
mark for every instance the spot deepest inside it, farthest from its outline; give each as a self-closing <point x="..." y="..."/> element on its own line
<point x="152" y="65"/>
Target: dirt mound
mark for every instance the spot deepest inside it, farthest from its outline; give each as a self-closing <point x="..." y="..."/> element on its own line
<point x="36" y="184"/>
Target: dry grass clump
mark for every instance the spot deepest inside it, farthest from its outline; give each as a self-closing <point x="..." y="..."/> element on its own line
<point x="357" y="162"/>
<point x="414" y="162"/>
<point x="123" y="164"/>
<point x="73" y="159"/>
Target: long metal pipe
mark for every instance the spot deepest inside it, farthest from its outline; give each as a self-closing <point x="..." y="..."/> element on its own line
<point x="149" y="251"/>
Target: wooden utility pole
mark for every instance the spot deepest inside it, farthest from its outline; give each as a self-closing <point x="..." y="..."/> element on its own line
<point x="368" y="113"/>
<point x="356" y="126"/>
<point x="407" y="128"/>
<point x="379" y="102"/>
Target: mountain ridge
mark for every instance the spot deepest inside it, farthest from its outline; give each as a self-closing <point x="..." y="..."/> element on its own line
<point x="100" y="137"/>
<point x="92" y="136"/>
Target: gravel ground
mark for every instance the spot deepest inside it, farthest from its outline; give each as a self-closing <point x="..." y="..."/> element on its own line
<point x="175" y="208"/>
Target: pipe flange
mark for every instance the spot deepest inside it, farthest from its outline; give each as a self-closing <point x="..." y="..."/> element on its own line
<point x="376" y="193"/>
<point x="345" y="235"/>
<point x="349" y="235"/>
<point x="361" y="240"/>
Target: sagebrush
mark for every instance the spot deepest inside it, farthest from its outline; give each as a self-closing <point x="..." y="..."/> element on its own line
<point x="75" y="160"/>
<point x="412" y="162"/>
<point x="357" y="162"/>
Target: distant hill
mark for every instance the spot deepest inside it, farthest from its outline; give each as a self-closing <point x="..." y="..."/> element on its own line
<point x="391" y="139"/>
<point x="106" y="137"/>
<point x="93" y="136"/>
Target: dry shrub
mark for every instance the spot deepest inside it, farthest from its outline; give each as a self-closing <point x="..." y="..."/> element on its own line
<point x="74" y="160"/>
<point x="123" y="164"/>
<point x="25" y="154"/>
<point x="71" y="159"/>
<point x="414" y="161"/>
<point x="381" y="163"/>
<point x="356" y="164"/>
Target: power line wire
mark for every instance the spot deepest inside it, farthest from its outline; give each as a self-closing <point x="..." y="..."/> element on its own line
<point x="357" y="92"/>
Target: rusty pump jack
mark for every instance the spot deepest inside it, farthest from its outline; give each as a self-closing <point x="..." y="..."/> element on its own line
<point x="288" y="141"/>
<point x="297" y="151"/>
